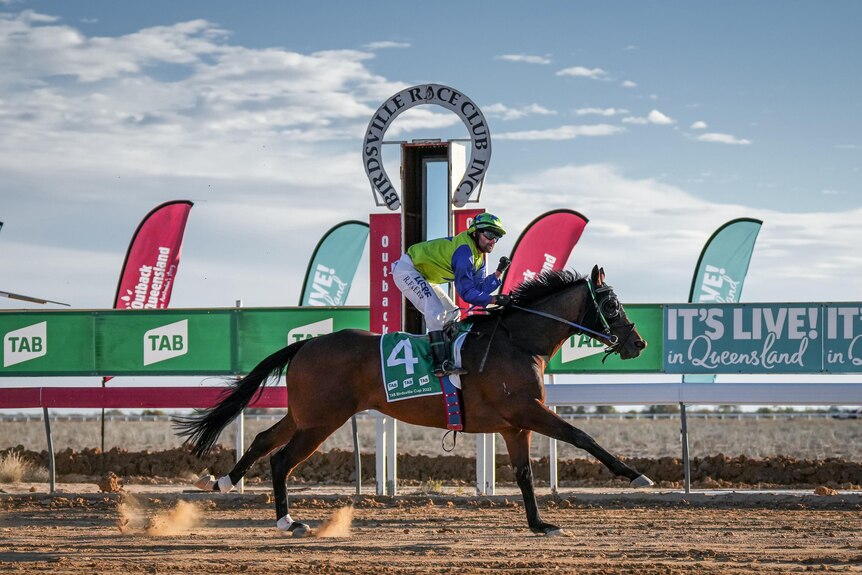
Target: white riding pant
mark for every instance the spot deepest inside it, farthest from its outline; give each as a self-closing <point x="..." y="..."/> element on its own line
<point x="431" y="301"/>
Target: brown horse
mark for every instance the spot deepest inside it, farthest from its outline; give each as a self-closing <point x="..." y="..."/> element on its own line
<point x="332" y="377"/>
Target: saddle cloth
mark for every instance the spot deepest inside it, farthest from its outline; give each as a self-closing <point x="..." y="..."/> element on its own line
<point x="407" y="365"/>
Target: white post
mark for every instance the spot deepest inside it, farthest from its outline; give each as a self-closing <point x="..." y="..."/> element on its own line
<point x="490" y="465"/>
<point x="392" y="456"/>
<point x="480" y="464"/>
<point x="552" y="450"/>
<point x="240" y="433"/>
<point x="380" y="452"/>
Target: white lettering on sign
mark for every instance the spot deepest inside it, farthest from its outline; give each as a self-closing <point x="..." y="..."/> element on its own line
<point x="153" y="282"/>
<point x="547" y="266"/>
<point x="309" y="331"/>
<point x="166" y="342"/>
<point x="580" y="346"/>
<point x="327" y="289"/>
<point x="717" y="286"/>
<point x="25" y="344"/>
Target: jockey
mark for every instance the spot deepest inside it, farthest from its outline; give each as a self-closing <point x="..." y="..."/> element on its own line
<point x="459" y="259"/>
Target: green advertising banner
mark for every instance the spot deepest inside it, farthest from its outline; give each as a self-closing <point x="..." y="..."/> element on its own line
<point x="44" y="344"/>
<point x="264" y="331"/>
<point x="582" y="354"/>
<point x="743" y="338"/>
<point x="169" y="342"/>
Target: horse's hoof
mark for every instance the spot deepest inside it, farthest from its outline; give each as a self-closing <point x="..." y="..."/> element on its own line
<point x="206" y="482"/>
<point x="642" y="481"/>
<point x="548" y="530"/>
<point x="299" y="530"/>
<point x="557" y="532"/>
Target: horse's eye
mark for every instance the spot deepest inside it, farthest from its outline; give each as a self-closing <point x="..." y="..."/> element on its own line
<point x="611" y="307"/>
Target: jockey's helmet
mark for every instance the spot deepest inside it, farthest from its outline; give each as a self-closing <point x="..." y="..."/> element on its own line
<point x="488" y="222"/>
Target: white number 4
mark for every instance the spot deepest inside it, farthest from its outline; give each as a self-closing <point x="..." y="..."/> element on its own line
<point x="408" y="361"/>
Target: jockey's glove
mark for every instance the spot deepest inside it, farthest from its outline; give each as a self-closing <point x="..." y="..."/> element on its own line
<point x="504" y="264"/>
<point x="503" y="300"/>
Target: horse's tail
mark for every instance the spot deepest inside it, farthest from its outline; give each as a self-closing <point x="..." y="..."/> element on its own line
<point x="203" y="428"/>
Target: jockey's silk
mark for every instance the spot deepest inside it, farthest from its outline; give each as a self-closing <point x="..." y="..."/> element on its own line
<point x="455" y="259"/>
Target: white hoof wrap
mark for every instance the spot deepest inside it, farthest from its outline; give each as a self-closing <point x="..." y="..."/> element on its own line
<point x="224" y="484"/>
<point x="205" y="482"/>
<point x="284" y="523"/>
<point x="642" y="481"/>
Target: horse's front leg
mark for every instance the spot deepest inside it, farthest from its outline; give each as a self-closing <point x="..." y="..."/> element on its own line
<point x="537" y="417"/>
<point x="518" y="444"/>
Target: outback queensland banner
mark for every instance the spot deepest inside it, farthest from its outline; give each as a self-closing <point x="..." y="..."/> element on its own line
<point x="150" y="268"/>
<point x="333" y="265"/>
<point x="545" y="244"/>
<point x="763" y="338"/>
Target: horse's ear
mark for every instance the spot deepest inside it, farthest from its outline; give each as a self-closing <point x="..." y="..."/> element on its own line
<point x="596" y="276"/>
<point x="602" y="276"/>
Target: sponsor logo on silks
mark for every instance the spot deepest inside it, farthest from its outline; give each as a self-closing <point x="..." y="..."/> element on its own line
<point x="717" y="286"/>
<point x="580" y="346"/>
<point x="327" y="288"/>
<point x="166" y="342"/>
<point x="309" y="331"/>
<point x="25" y="344"/>
<point x="153" y="283"/>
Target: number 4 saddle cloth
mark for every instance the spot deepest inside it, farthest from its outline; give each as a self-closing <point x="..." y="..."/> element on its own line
<point x="407" y="372"/>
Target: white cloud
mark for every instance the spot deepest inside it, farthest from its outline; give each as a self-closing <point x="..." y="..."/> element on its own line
<point x="723" y="139"/>
<point x="562" y="133"/>
<point x="504" y="112"/>
<point x="525" y="58"/>
<point x="386" y="44"/>
<point x="654" y="117"/>
<point x="699" y="125"/>
<point x="600" y="111"/>
<point x="629" y="84"/>
<point x="581" y="72"/>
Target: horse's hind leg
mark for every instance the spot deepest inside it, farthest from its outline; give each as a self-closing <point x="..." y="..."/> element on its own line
<point x="302" y="444"/>
<point x="518" y="444"/>
<point x="264" y="442"/>
<point x="540" y="419"/>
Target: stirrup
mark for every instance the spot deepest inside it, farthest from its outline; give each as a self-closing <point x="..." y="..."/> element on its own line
<point x="448" y="368"/>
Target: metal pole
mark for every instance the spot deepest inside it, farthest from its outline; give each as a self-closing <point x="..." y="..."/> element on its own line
<point x="52" y="472"/>
<point x="552" y="449"/>
<point x="240" y="434"/>
<point x="357" y="456"/>
<point x="686" y="464"/>
<point x="392" y="456"/>
<point x="380" y="453"/>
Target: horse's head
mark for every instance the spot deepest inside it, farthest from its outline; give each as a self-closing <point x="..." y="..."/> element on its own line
<point x="612" y="320"/>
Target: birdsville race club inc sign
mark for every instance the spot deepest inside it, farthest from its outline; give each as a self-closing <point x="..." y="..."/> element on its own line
<point x="449" y="98"/>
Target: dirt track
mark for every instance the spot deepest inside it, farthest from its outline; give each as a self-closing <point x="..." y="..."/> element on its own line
<point x="648" y="533"/>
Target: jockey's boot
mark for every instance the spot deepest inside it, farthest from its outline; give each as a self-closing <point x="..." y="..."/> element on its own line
<point x="441" y="354"/>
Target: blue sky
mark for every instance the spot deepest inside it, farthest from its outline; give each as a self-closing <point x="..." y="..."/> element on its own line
<point x="659" y="121"/>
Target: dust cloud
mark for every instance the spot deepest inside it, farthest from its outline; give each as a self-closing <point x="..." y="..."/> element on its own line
<point x="338" y="525"/>
<point x="175" y="521"/>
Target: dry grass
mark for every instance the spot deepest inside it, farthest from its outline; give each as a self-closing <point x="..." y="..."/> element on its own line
<point x="798" y="437"/>
<point x="14" y="469"/>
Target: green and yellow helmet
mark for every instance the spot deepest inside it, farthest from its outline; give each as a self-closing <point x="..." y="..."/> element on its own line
<point x="488" y="222"/>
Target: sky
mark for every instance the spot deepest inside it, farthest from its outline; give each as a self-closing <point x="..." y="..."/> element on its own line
<point x="659" y="121"/>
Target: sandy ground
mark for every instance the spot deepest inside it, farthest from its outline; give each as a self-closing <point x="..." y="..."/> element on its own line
<point x="153" y="529"/>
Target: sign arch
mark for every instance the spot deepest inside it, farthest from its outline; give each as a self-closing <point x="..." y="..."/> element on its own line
<point x="440" y="95"/>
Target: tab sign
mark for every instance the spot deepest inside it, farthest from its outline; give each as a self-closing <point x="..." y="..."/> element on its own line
<point x="25" y="344"/>
<point x="166" y="342"/>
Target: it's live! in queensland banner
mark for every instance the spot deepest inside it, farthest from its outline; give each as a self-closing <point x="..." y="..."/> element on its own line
<point x="763" y="338"/>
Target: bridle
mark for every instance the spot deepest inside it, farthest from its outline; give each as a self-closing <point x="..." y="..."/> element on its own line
<point x="606" y="306"/>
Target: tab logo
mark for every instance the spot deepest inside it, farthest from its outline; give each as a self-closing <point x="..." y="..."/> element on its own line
<point x="580" y="346"/>
<point x="166" y="342"/>
<point x="309" y="331"/>
<point x="25" y="344"/>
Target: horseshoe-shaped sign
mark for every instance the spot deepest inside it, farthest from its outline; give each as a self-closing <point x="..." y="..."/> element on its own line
<point x="449" y="98"/>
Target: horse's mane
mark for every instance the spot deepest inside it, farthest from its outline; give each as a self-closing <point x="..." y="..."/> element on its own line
<point x="531" y="291"/>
